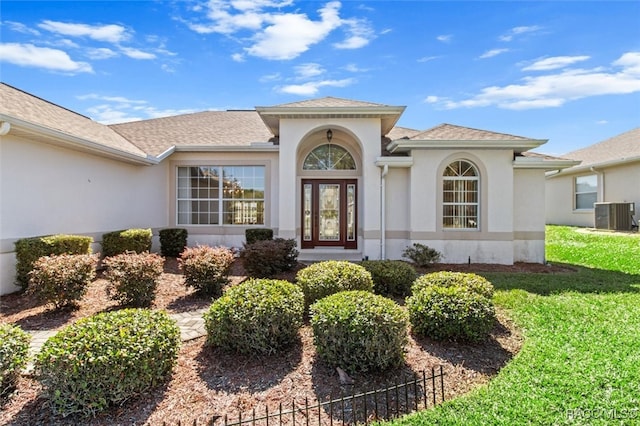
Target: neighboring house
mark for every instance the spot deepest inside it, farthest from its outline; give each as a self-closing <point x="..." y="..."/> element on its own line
<point x="609" y="171"/>
<point x="336" y="175"/>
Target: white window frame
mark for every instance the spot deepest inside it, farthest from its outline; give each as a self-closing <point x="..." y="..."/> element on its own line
<point x="577" y="193"/>
<point x="462" y="204"/>
<point x="223" y="198"/>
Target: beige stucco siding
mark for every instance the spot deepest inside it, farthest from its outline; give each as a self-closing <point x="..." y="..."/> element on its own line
<point x="528" y="211"/>
<point x="619" y="183"/>
<point x="51" y="190"/>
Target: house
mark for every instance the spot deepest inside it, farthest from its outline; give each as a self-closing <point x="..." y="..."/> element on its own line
<point x="337" y="175"/>
<point x="609" y="171"/>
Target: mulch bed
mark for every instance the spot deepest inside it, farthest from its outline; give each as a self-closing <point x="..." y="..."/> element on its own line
<point x="208" y="383"/>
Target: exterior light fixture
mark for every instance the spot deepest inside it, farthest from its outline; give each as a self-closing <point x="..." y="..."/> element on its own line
<point x="329" y="135"/>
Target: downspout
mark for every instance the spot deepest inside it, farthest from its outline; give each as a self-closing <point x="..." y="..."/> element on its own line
<point x="383" y="203"/>
<point x="601" y="183"/>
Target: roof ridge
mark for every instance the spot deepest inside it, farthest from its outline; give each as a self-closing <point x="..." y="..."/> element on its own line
<point x="45" y="100"/>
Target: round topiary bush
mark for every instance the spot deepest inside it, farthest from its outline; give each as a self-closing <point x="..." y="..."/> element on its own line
<point x="206" y="269"/>
<point x="473" y="282"/>
<point x="450" y="313"/>
<point x="258" y="316"/>
<point x="359" y="331"/>
<point x="324" y="278"/>
<point x="14" y="351"/>
<point x="391" y="277"/>
<point x="106" y="359"/>
<point x="133" y="278"/>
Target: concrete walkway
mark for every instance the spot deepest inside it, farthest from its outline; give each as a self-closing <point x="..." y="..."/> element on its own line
<point x="191" y="327"/>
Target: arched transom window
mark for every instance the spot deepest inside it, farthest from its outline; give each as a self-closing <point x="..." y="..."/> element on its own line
<point x="460" y="198"/>
<point x="329" y="157"/>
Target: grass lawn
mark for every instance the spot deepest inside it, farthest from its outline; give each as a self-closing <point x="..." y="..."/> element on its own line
<point x="580" y="363"/>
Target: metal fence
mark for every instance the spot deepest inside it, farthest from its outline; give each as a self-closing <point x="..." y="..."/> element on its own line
<point x="411" y="393"/>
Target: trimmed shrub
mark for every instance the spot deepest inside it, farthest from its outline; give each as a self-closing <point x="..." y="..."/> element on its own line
<point x="62" y="279"/>
<point x="28" y="250"/>
<point x="473" y="282"/>
<point x="206" y="268"/>
<point x="451" y="313"/>
<point x="117" y="242"/>
<point x="173" y="241"/>
<point x="359" y="331"/>
<point x="133" y="278"/>
<point x="14" y="351"/>
<point x="258" y="316"/>
<point x="324" y="278"/>
<point x="258" y="234"/>
<point x="269" y="257"/>
<point x="391" y="277"/>
<point x="106" y="359"/>
<point x="421" y="255"/>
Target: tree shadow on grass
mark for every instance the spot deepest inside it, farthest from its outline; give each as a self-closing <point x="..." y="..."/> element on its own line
<point x="583" y="280"/>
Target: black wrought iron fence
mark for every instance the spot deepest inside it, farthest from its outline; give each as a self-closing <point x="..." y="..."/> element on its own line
<point x="406" y="395"/>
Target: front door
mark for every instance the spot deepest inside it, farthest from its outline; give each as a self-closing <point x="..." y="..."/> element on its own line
<point x="329" y="213"/>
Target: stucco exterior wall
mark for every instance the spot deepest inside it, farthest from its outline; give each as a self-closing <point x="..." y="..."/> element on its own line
<point x="619" y="183"/>
<point x="528" y="211"/>
<point x="50" y="190"/>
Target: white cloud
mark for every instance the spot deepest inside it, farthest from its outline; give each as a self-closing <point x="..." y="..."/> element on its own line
<point x="445" y="38"/>
<point x="602" y="122"/>
<point x="311" y="88"/>
<point x="360" y="34"/>
<point x="20" y="28"/>
<point x="273" y="34"/>
<point x="556" y="89"/>
<point x="386" y="31"/>
<point x="137" y="53"/>
<point x="107" y="33"/>
<point x="427" y="58"/>
<point x="554" y="62"/>
<point x="355" y="68"/>
<point x="28" y="55"/>
<point x="119" y="109"/>
<point x="493" y="52"/>
<point x="308" y="70"/>
<point x="432" y="99"/>
<point x="291" y="34"/>
<point x="100" y="53"/>
<point x="515" y="31"/>
<point x="270" y="77"/>
<point x="238" y="57"/>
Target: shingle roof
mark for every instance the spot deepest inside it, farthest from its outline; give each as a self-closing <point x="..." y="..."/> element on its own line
<point x="329" y="102"/>
<point x="28" y="108"/>
<point x="450" y="132"/>
<point x="209" y="128"/>
<point x="620" y="147"/>
<point x="402" y="132"/>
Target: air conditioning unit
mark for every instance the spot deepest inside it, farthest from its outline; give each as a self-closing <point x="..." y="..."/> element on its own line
<point x="614" y="216"/>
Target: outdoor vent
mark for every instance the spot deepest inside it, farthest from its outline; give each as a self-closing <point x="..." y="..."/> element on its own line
<point x="614" y="216"/>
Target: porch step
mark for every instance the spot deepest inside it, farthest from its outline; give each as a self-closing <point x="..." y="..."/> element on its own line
<point x="318" y="254"/>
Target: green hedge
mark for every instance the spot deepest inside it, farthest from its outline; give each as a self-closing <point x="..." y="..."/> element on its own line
<point x="258" y="234"/>
<point x="28" y="250"/>
<point x="173" y="241"/>
<point x="106" y="359"/>
<point x="133" y="278"/>
<point x="256" y="317"/>
<point x="324" y="278"/>
<point x="269" y="257"/>
<point x="359" y="331"/>
<point x="118" y="242"/>
<point x="14" y="351"/>
<point x="451" y="313"/>
<point x="473" y="282"/>
<point x="391" y="277"/>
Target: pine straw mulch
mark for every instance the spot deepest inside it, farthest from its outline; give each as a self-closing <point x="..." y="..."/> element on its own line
<point x="208" y="383"/>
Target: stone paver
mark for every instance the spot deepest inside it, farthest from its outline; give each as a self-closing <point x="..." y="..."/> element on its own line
<point x="191" y="326"/>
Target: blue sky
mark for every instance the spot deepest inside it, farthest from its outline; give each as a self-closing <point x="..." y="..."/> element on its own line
<point x="565" y="71"/>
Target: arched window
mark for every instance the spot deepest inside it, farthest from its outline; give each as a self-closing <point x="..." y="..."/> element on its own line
<point x="329" y="157"/>
<point x="460" y="187"/>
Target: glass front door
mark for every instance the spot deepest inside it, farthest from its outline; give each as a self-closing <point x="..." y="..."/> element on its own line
<point x="329" y="213"/>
